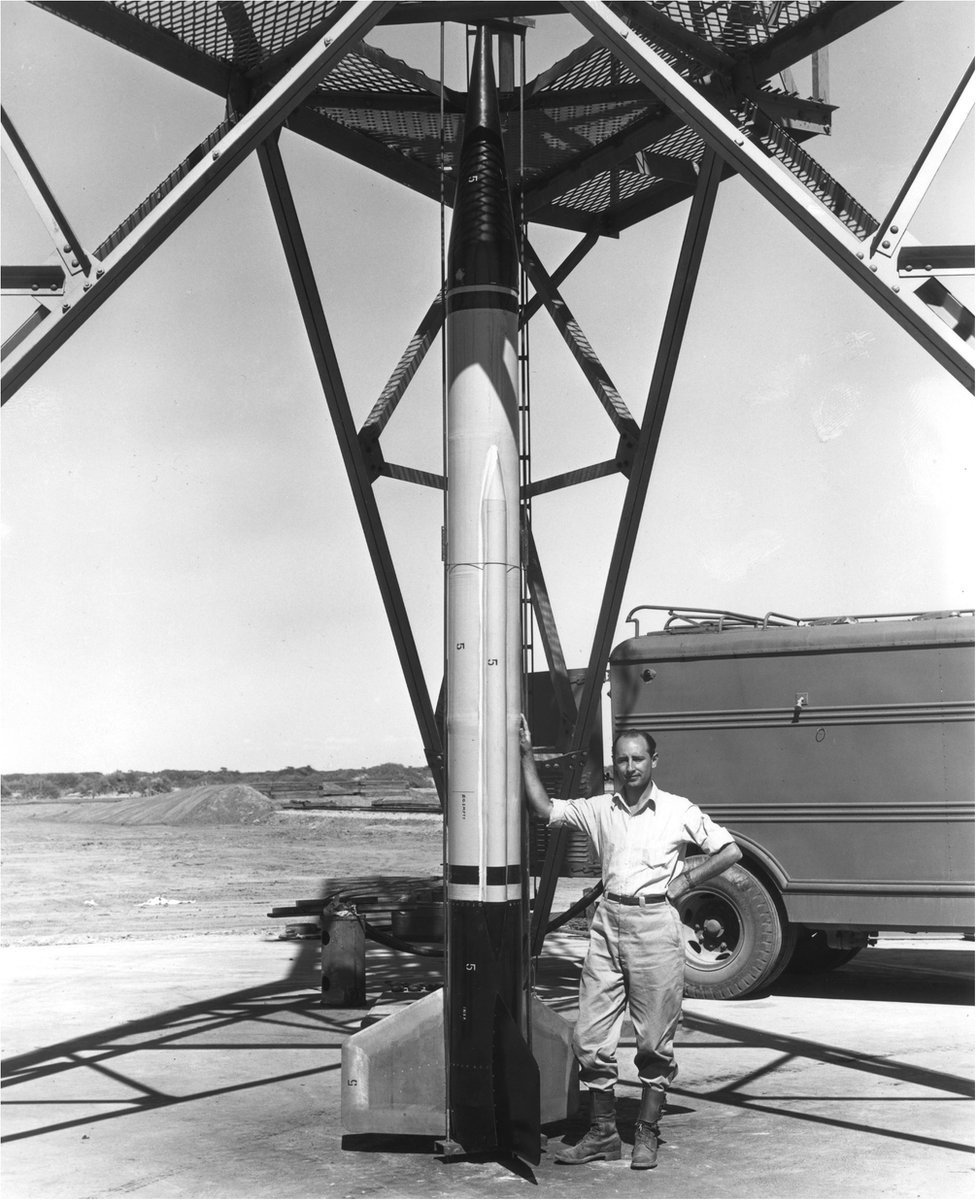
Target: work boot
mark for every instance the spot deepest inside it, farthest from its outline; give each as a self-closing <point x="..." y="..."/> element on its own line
<point x="601" y="1140"/>
<point x="647" y="1131"/>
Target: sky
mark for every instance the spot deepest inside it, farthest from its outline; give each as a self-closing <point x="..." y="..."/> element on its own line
<point x="184" y="580"/>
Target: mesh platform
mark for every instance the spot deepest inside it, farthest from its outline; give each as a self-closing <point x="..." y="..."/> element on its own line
<point x="589" y="146"/>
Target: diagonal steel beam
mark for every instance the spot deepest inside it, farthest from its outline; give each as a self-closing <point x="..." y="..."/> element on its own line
<point x="404" y="371"/>
<point x="422" y="478"/>
<point x="600" y="470"/>
<point x="891" y="231"/>
<point x="786" y="193"/>
<point x="672" y="335"/>
<point x="66" y="243"/>
<point x="316" y="326"/>
<point x="561" y="273"/>
<point x="263" y="119"/>
<point x="582" y="351"/>
<point x="24" y="330"/>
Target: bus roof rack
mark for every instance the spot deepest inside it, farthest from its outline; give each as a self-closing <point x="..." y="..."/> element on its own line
<point x="686" y="620"/>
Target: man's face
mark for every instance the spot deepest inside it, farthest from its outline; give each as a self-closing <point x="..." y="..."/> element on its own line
<point x="633" y="762"/>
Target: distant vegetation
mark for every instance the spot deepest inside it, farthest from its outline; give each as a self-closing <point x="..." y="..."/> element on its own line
<point x="58" y="785"/>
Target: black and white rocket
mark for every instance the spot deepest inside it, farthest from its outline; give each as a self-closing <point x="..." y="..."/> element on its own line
<point x="464" y="1055"/>
<point x="493" y="1081"/>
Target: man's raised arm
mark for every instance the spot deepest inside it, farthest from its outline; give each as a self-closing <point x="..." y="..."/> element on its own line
<point x="536" y="795"/>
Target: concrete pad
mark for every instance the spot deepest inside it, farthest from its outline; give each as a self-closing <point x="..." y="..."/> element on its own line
<point x="206" y="1067"/>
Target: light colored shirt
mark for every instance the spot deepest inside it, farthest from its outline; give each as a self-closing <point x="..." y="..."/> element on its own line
<point x="641" y="849"/>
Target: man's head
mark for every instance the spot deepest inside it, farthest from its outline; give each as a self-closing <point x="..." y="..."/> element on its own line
<point x="634" y="758"/>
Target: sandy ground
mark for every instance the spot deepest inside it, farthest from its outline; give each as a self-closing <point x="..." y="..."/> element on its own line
<point x="69" y="882"/>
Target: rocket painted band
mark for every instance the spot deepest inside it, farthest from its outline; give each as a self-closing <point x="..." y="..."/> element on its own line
<point x="485" y="295"/>
<point x="493" y="876"/>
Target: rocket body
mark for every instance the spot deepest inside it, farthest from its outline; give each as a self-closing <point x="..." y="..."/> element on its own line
<point x="492" y="1079"/>
<point x="474" y="1050"/>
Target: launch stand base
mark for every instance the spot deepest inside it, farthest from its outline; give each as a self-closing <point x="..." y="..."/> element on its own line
<point x="394" y="1071"/>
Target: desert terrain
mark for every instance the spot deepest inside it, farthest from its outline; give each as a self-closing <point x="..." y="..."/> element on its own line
<point x="71" y="876"/>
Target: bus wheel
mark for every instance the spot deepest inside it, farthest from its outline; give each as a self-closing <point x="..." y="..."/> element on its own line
<point x="733" y="934"/>
<point x="812" y="954"/>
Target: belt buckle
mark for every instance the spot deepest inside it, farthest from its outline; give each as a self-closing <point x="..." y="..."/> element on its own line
<point x="642" y="900"/>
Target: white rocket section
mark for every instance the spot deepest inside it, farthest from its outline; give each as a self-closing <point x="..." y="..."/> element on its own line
<point x="484" y="645"/>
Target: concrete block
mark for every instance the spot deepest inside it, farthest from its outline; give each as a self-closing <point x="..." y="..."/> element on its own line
<point x="393" y="1072"/>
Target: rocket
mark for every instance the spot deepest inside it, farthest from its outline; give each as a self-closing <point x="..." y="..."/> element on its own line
<point x="459" y="1062"/>
<point x="493" y="1080"/>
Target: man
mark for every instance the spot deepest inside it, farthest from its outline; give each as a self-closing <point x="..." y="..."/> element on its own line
<point x="635" y="955"/>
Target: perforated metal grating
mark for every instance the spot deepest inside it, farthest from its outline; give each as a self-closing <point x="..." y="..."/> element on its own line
<point x="244" y="35"/>
<point x="575" y="148"/>
<point x="628" y="182"/>
<point x="737" y="27"/>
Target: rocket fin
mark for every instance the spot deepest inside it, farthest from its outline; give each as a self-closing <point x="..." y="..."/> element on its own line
<point x="516" y="1088"/>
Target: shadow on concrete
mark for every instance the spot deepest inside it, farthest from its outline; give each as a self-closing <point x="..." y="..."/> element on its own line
<point x="282" y="1015"/>
<point x="270" y="1017"/>
<point x="926" y="976"/>
<point x="514" y="1166"/>
<point x="390" y="1143"/>
<point x="789" y="1050"/>
<point x="909" y="976"/>
<point x="287" y="1014"/>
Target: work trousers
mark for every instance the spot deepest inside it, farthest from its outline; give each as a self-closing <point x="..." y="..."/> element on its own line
<point x="635" y="957"/>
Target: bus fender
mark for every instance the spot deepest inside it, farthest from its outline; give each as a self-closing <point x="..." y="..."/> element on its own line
<point x="756" y="856"/>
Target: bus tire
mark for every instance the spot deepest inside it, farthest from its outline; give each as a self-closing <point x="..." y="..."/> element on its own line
<point x="812" y="955"/>
<point x="734" y="935"/>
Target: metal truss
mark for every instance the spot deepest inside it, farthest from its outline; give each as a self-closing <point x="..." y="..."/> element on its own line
<point x="950" y="339"/>
<point x="658" y="107"/>
<point x="30" y="348"/>
<point x="330" y="375"/>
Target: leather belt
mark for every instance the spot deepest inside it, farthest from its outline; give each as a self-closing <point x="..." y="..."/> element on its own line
<point x="647" y="898"/>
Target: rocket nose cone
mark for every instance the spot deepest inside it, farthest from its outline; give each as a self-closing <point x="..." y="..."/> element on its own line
<point x="482" y="249"/>
<point x="482" y="111"/>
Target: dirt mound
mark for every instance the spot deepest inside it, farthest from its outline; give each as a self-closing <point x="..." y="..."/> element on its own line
<point x="209" y="804"/>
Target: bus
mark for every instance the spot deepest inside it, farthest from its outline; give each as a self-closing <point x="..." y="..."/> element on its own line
<point x="839" y="753"/>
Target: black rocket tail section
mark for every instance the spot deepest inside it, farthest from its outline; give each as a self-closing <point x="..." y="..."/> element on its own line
<point x="493" y="1079"/>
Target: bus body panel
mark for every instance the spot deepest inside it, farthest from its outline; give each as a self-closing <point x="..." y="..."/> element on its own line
<point x="840" y="755"/>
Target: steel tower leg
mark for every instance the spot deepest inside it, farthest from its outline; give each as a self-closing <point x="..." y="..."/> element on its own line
<point x="306" y="291"/>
